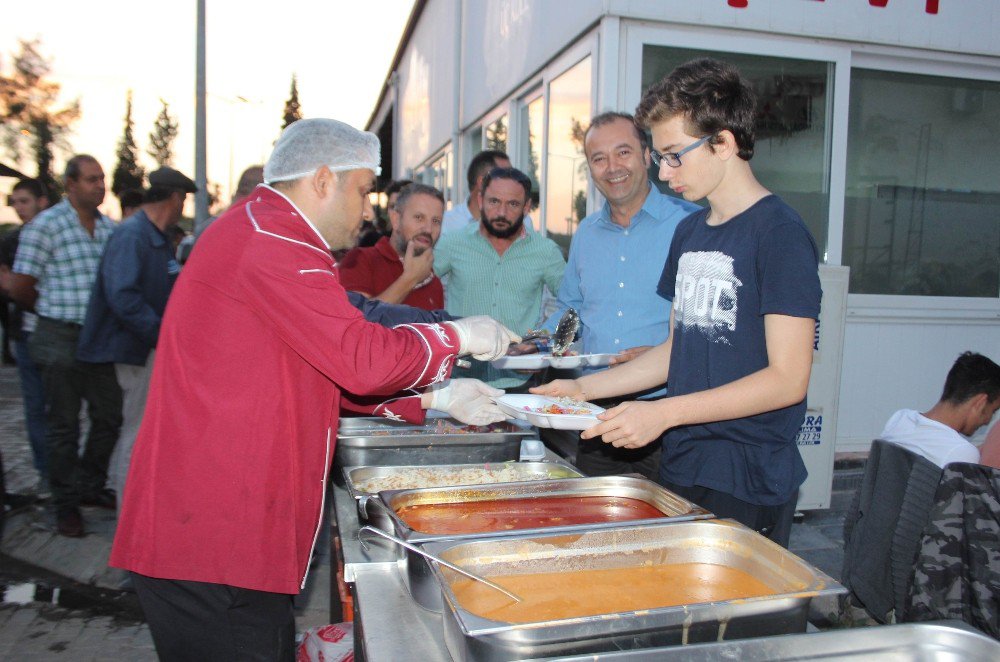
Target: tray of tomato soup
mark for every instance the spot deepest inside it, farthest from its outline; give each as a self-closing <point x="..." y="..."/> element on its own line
<point x="622" y="588"/>
<point x="490" y="511"/>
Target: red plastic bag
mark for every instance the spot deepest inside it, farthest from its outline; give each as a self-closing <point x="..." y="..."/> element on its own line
<point x="327" y="643"/>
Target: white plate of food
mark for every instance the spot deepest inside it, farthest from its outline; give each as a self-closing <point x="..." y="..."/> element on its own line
<point x="549" y="412"/>
<point x="538" y="361"/>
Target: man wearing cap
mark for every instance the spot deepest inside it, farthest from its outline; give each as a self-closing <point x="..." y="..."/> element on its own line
<point x="134" y="279"/>
<point x="258" y="352"/>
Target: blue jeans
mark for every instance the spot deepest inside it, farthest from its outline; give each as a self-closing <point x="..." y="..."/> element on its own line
<point x="34" y="406"/>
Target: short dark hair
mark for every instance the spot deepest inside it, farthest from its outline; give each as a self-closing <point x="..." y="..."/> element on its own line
<point x="512" y="174"/>
<point x="130" y="197"/>
<point x="411" y="190"/>
<point x="711" y="96"/>
<point x="482" y="163"/>
<point x="971" y="375"/>
<point x="396" y="186"/>
<point x="612" y="116"/>
<point x="73" y="166"/>
<point x="33" y="186"/>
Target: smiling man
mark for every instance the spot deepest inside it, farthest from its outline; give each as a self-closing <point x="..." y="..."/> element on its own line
<point x="614" y="265"/>
<point x="399" y="268"/>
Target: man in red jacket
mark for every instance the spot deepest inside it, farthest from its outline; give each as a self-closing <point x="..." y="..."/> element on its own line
<point x="258" y="351"/>
<point x="400" y="268"/>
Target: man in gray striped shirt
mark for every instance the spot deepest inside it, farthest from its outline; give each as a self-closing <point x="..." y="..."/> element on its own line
<point x="55" y="268"/>
<point x="497" y="268"/>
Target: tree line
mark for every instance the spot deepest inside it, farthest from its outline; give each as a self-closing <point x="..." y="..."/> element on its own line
<point x="35" y="125"/>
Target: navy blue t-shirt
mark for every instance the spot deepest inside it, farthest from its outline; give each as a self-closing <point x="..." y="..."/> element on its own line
<point x="722" y="280"/>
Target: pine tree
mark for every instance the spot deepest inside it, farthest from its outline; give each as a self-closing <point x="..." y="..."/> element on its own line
<point x="128" y="173"/>
<point x="293" y="111"/>
<point x="43" y="139"/>
<point x="162" y="137"/>
<point x="29" y="121"/>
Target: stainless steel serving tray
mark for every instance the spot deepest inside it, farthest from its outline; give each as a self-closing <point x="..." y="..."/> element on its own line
<point x="525" y="471"/>
<point x="937" y="640"/>
<point x="419" y="579"/>
<point x="469" y="637"/>
<point x="383" y="442"/>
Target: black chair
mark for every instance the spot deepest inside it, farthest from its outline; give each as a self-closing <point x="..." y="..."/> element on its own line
<point x="883" y="526"/>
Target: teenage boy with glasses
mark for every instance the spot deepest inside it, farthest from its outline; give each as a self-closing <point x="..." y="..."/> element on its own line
<point x="742" y="276"/>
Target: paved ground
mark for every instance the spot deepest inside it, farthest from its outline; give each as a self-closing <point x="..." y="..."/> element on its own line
<point x="39" y="630"/>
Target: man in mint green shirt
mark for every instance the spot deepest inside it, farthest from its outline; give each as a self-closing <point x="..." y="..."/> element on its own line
<point x="499" y="269"/>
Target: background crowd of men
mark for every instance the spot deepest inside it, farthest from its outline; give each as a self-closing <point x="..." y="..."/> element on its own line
<point x="712" y="306"/>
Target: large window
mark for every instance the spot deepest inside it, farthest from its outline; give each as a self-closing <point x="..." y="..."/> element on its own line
<point x="791" y="156"/>
<point x="437" y="173"/>
<point x="566" y="180"/>
<point x="922" y="210"/>
<point x="532" y="131"/>
<point x="496" y="134"/>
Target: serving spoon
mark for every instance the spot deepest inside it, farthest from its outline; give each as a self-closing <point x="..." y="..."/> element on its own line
<point x="413" y="548"/>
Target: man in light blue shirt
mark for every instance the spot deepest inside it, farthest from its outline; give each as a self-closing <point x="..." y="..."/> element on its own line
<point x="615" y="262"/>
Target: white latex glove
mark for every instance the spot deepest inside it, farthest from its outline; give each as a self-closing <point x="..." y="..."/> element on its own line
<point x="483" y="337"/>
<point x="468" y="400"/>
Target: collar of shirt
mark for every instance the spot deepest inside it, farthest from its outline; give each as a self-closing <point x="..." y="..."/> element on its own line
<point x="156" y="236"/>
<point x="648" y="210"/>
<point x="274" y="191"/>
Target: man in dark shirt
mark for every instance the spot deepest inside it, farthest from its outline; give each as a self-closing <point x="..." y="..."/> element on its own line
<point x="137" y="272"/>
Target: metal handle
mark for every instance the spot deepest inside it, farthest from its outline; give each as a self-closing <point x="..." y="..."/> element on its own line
<point x="427" y="555"/>
<point x="371" y="499"/>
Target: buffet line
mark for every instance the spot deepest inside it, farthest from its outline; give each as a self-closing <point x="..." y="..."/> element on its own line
<point x="554" y="564"/>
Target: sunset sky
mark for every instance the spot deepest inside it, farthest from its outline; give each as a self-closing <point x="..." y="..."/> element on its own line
<point x="339" y="50"/>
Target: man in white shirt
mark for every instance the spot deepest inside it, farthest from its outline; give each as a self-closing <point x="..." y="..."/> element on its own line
<point x="970" y="399"/>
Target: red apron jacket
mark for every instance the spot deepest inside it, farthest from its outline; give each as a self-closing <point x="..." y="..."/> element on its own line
<point x="259" y="350"/>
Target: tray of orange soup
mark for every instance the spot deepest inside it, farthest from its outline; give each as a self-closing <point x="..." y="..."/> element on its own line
<point x="489" y="511"/>
<point x="621" y="588"/>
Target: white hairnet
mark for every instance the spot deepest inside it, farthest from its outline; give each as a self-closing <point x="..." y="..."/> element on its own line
<point x="308" y="144"/>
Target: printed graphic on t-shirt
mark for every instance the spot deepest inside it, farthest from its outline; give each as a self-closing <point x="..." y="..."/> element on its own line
<point x="705" y="294"/>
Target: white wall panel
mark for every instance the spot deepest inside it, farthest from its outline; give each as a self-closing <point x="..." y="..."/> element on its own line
<point x="900" y="365"/>
<point x="507" y="40"/>
<point x="964" y="26"/>
<point x="427" y="72"/>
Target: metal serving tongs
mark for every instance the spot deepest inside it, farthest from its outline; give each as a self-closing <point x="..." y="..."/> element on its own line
<point x="565" y="333"/>
<point x="417" y="550"/>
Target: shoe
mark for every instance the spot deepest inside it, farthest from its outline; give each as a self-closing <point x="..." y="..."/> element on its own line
<point x="103" y="499"/>
<point x="69" y="523"/>
<point x="42" y="490"/>
<point x="14" y="502"/>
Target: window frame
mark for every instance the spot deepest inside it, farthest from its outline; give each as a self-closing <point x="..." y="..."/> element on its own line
<point x="844" y="58"/>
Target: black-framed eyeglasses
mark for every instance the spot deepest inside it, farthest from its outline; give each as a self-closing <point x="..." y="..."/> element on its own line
<point x="673" y="159"/>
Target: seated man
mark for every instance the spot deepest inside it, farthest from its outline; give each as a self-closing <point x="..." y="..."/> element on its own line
<point x="399" y="268"/>
<point x="971" y="396"/>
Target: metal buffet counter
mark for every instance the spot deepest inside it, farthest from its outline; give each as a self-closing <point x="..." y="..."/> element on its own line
<point x="390" y="625"/>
